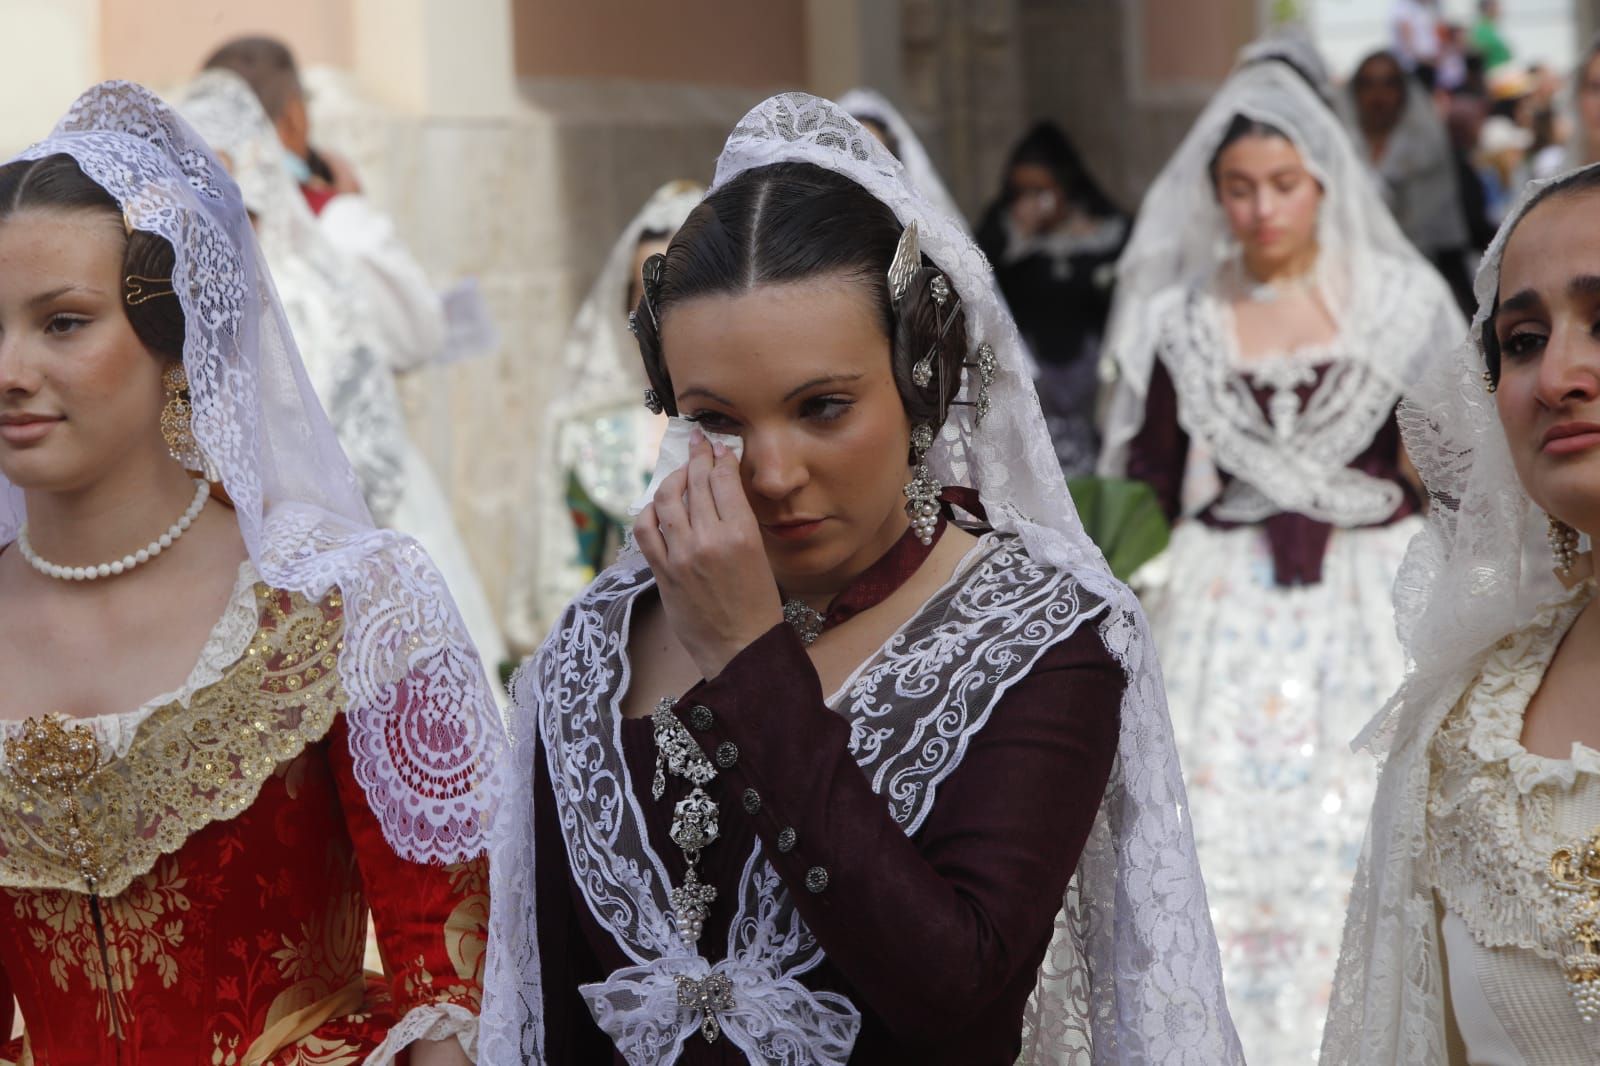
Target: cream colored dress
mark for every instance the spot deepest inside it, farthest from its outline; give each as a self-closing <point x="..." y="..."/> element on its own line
<point x="1514" y="842"/>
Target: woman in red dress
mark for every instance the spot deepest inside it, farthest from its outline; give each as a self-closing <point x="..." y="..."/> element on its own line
<point x="235" y="716"/>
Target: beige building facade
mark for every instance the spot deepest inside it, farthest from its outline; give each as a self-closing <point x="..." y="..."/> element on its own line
<point x="511" y="139"/>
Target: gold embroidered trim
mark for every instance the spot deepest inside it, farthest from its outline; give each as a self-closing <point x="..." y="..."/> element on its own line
<point x="76" y="821"/>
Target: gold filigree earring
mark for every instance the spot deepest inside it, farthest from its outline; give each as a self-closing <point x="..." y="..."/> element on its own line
<point x="176" y="416"/>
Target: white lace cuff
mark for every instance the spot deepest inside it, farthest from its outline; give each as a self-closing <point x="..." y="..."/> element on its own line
<point x="435" y="1021"/>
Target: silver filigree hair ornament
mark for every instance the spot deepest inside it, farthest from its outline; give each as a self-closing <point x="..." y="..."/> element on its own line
<point x="905" y="264"/>
<point x="650" y="275"/>
<point x="652" y="402"/>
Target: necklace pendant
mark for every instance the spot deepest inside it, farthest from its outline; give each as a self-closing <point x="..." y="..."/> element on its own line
<point x="806" y="622"/>
<point x="691" y="906"/>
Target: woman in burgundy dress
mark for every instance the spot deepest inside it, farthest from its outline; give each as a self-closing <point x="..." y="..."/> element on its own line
<point x="861" y="754"/>
<point x="1270" y="315"/>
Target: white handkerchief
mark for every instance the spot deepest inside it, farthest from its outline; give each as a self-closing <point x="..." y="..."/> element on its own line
<point x="675" y="453"/>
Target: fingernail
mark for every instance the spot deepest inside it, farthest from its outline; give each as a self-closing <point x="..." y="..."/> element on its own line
<point x="718" y="449"/>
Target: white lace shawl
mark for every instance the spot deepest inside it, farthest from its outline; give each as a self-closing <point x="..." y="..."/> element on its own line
<point x="1478" y="571"/>
<point x="315" y="283"/>
<point x="1291" y="457"/>
<point x="1133" y="973"/>
<point x="425" y="735"/>
<point x="601" y="377"/>
<point x="1386" y="299"/>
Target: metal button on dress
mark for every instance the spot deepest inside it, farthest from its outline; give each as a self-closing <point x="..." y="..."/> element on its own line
<point x="701" y="718"/>
<point x="817" y="879"/>
<point x="786" y="840"/>
<point x="752" y="801"/>
<point x="727" y="754"/>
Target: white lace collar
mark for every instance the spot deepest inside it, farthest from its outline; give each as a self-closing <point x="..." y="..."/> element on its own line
<point x="1491" y="820"/>
<point x="114" y="732"/>
<point x="1498" y="703"/>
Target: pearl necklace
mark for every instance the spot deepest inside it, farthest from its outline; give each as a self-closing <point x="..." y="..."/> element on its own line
<point x="202" y="490"/>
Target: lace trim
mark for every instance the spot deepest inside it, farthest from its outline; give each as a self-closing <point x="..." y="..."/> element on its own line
<point x="436" y="1021"/>
<point x="912" y="710"/>
<point x="227" y="641"/>
<point x="1291" y="457"/>
<point x="85" y="823"/>
<point x="1490" y="807"/>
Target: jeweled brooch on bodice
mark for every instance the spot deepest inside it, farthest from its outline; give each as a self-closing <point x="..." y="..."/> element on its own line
<point x="1575" y="877"/>
<point x="54" y="761"/>
<point x="694" y="826"/>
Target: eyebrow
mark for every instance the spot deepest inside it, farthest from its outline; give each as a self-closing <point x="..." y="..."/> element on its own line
<point x="1584" y="285"/>
<point x="696" y="390"/>
<point x="45" y="297"/>
<point x="826" y="379"/>
<point x="1283" y="171"/>
<point x="1526" y="300"/>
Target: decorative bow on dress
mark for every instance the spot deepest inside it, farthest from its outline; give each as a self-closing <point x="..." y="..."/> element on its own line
<point x="649" y="1011"/>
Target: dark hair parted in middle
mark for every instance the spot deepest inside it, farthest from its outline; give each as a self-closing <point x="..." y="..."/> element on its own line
<point x="57" y="183"/>
<point x="791" y="222"/>
<point x="1240" y="127"/>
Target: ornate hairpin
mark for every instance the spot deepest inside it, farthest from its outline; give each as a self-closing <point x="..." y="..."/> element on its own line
<point x="905" y="264"/>
<point x="651" y="274"/>
<point x="135" y="293"/>
<point x="652" y="401"/>
<point x="987" y="365"/>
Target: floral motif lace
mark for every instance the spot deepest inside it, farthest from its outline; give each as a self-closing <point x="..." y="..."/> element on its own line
<point x="1290" y="457"/>
<point x="911" y="708"/>
<point x="1143" y="950"/>
<point x="108" y="822"/>
<point x="1490" y="825"/>
<point x="425" y="731"/>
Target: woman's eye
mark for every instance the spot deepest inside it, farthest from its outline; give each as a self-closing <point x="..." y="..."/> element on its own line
<point x="714" y="421"/>
<point x="825" y="408"/>
<point x="1288" y="185"/>
<point x="60" y="325"/>
<point x="1521" y="345"/>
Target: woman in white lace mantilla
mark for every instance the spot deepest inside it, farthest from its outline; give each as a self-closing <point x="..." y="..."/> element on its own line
<point x="975" y="848"/>
<point x="598" y="440"/>
<point x="223" y="746"/>
<point x="336" y="330"/>
<point x="1269" y="317"/>
<point x="1474" y="927"/>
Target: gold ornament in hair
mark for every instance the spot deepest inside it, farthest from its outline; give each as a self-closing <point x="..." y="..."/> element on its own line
<point x="138" y="289"/>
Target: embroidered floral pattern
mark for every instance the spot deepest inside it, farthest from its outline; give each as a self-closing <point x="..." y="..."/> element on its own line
<point x="187" y="766"/>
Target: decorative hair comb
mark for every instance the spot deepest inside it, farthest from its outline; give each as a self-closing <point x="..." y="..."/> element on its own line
<point x="136" y="293"/>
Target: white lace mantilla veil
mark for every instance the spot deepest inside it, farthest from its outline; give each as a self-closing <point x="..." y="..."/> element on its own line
<point x="1133" y="973"/>
<point x="1478" y="572"/>
<point x="425" y="735"/>
<point x="319" y="293"/>
<point x="870" y="104"/>
<point x="1367" y="273"/>
<point x="600" y="371"/>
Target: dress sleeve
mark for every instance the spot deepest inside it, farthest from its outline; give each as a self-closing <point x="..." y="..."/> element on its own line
<point x="929" y="929"/>
<point x="432" y="923"/>
<point x="565" y="958"/>
<point x="1160" y="451"/>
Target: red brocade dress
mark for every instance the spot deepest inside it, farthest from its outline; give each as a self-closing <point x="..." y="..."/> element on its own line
<point x="191" y="882"/>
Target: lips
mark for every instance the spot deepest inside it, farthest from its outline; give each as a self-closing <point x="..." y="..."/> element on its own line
<point x="21" y="427"/>
<point x="793" y="528"/>
<point x="1569" y="438"/>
